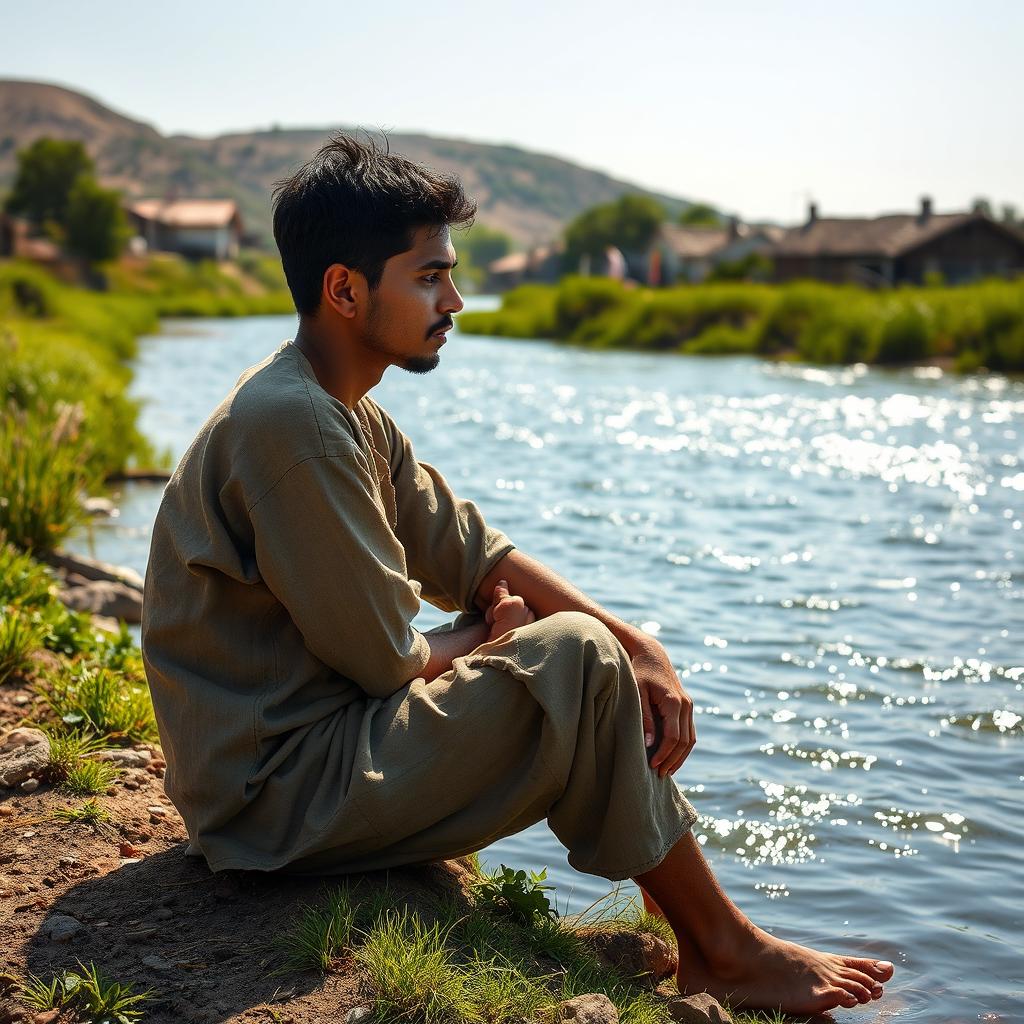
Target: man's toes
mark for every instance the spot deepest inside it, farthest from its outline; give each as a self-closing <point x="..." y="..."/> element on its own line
<point x="852" y="974"/>
<point x="862" y="993"/>
<point x="880" y="970"/>
<point x="840" y="997"/>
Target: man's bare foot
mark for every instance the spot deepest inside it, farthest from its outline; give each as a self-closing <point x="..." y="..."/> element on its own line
<point x="766" y="973"/>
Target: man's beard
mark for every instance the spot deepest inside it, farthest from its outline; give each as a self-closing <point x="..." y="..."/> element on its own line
<point x="373" y="339"/>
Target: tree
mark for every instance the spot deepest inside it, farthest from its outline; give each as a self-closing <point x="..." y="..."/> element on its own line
<point x="700" y="215"/>
<point x="96" y="225"/>
<point x="47" y="171"/>
<point x="629" y="223"/>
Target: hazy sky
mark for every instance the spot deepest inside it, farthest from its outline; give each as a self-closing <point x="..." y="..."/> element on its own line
<point x="753" y="106"/>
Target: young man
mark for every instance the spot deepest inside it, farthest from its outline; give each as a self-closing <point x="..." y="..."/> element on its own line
<point x="307" y="725"/>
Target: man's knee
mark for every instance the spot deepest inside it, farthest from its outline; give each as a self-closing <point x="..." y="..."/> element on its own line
<point x="585" y="631"/>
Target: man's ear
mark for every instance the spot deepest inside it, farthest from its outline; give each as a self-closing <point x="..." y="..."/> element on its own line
<point x="344" y="289"/>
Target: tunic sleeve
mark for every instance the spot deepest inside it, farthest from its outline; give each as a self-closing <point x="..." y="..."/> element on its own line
<point x="448" y="545"/>
<point x="327" y="553"/>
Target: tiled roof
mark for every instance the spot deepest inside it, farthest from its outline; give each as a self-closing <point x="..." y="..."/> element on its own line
<point x="694" y="242"/>
<point x="186" y="213"/>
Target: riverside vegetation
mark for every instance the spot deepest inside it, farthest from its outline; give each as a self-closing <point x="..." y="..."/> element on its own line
<point x="495" y="951"/>
<point x="968" y="327"/>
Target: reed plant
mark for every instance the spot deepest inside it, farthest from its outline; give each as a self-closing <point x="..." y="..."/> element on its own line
<point x="19" y="637"/>
<point x="43" y="476"/>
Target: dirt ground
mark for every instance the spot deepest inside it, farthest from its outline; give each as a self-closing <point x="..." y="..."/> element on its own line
<point x="153" y="917"/>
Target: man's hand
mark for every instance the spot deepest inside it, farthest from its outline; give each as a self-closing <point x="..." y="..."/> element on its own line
<point x="662" y="695"/>
<point x="506" y="612"/>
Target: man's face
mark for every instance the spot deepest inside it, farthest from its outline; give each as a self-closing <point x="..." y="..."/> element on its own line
<point x="412" y="307"/>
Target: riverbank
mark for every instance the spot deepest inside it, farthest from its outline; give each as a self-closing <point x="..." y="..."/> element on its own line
<point x="965" y="328"/>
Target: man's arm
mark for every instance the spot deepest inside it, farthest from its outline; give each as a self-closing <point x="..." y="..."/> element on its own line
<point x="545" y="592"/>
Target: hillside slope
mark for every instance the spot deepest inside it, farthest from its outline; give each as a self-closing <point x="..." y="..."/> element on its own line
<point x="530" y="196"/>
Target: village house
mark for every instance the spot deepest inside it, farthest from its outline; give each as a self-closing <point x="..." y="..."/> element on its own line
<point x="684" y="253"/>
<point x="898" y="248"/>
<point x="195" y="228"/>
<point x="540" y="265"/>
<point x="18" y="241"/>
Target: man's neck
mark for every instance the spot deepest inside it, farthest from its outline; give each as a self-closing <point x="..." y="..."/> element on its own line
<point x="339" y="371"/>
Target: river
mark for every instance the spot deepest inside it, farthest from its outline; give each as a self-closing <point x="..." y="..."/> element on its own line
<point x="832" y="558"/>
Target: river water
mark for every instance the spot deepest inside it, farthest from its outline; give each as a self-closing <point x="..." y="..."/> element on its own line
<point x="833" y="560"/>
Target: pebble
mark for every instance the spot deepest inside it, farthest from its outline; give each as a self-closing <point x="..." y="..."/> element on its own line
<point x="6" y="811"/>
<point x="60" y="928"/>
<point x="46" y="1017"/>
<point x="158" y="963"/>
<point x="593" y="1008"/>
<point x="22" y="699"/>
<point x="68" y="862"/>
<point x="157" y="811"/>
<point x="356" y="1014"/>
<point x="697" y="1009"/>
<point x="162" y="914"/>
<point x="130" y="784"/>
<point x="30" y="785"/>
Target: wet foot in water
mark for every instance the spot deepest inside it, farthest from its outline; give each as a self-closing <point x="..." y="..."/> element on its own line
<point x="762" y="972"/>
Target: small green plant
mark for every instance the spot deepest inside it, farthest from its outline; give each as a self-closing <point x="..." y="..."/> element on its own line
<point x="319" y="935"/>
<point x="24" y="583"/>
<point x="72" y="768"/>
<point x="89" y="813"/>
<point x="100" y="702"/>
<point x="19" y="637"/>
<point x="516" y="894"/>
<point x="89" y="993"/>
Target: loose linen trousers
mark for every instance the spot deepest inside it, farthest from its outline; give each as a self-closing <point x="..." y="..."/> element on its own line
<point x="544" y="722"/>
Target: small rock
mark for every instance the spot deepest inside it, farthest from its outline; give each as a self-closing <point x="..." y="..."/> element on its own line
<point x="356" y="1014"/>
<point x="45" y="1017"/>
<point x="129" y="758"/>
<point x="6" y="811"/>
<point x="103" y="597"/>
<point x="594" y="1008"/>
<point x="30" y="785"/>
<point x="23" y="754"/>
<point x="158" y="963"/>
<point x="127" y="850"/>
<point x="157" y="811"/>
<point x="60" y="928"/>
<point x="21" y="699"/>
<point x="68" y="862"/>
<point x="698" y="1009"/>
<point x="162" y="914"/>
<point x="130" y="784"/>
<point x="633" y="953"/>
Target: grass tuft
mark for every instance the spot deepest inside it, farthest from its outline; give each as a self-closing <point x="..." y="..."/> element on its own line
<point x="90" y="994"/>
<point x="99" y="701"/>
<point x="72" y="769"/>
<point x="319" y="934"/>
<point x="89" y="813"/>
<point x="19" y="637"/>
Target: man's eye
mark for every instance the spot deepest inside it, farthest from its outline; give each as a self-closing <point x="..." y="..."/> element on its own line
<point x="431" y="278"/>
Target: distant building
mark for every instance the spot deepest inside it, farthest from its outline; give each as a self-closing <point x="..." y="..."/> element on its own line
<point x="689" y="253"/>
<point x="540" y="265"/>
<point x="18" y="242"/>
<point x="196" y="228"/>
<point x="898" y="248"/>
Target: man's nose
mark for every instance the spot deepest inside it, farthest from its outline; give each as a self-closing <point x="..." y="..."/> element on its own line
<point x="452" y="300"/>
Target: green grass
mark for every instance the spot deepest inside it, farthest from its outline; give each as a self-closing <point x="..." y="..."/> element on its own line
<point x="71" y="766"/>
<point x="318" y="935"/>
<point x="89" y="813"/>
<point x="99" y="701"/>
<point x="971" y="326"/>
<point x="24" y="583"/>
<point x="19" y="637"/>
<point x="93" y="997"/>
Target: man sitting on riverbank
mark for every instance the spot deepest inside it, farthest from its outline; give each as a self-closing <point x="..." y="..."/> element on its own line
<point x="308" y="726"/>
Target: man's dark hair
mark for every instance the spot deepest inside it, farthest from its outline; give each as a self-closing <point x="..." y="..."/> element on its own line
<point x="357" y="204"/>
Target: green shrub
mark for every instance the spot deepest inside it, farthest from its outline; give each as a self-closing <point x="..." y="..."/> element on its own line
<point x="904" y="334"/>
<point x="88" y="993"/>
<point x="319" y="934"/>
<point x="579" y="299"/>
<point x="516" y="894"/>
<point x="795" y="306"/>
<point x="24" y="583"/>
<point x="19" y="637"/>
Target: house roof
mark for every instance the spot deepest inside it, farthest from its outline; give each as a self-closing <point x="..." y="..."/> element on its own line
<point x="693" y="242"/>
<point x="891" y="235"/>
<point x="186" y="213"/>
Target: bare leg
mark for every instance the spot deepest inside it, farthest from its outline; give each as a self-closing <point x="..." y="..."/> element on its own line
<point x="722" y="952"/>
<point x="650" y="906"/>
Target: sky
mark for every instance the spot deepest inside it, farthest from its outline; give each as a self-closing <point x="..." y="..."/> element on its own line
<point x="757" y="108"/>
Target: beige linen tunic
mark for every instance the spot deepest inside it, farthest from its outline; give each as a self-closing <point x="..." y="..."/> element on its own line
<point x="289" y="555"/>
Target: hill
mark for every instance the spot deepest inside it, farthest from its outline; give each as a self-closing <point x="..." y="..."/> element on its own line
<point x="529" y="196"/>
